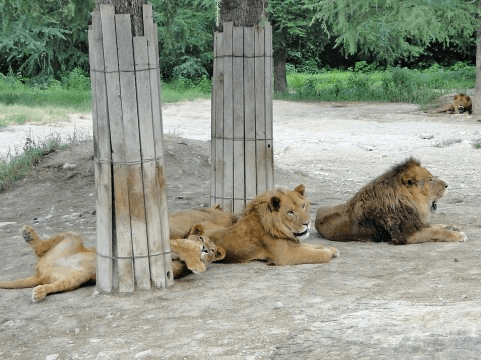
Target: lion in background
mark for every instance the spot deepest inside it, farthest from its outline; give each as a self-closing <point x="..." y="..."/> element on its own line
<point x="393" y="208"/>
<point x="64" y="263"/>
<point x="271" y="228"/>
<point x="461" y="103"/>
<point x="181" y="222"/>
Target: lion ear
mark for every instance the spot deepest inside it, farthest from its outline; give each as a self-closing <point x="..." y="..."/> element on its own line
<point x="301" y="189"/>
<point x="197" y="229"/>
<point x="218" y="207"/>
<point x="274" y="203"/>
<point x="457" y="96"/>
<point x="407" y="180"/>
<point x="220" y="254"/>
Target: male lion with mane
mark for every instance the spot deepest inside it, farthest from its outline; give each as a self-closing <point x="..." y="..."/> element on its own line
<point x="393" y="208"/>
<point x="271" y="228"/>
<point x="461" y="103"/>
<point x="64" y="263"/>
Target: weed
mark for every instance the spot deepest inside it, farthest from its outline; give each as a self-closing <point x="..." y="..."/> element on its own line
<point x="19" y="162"/>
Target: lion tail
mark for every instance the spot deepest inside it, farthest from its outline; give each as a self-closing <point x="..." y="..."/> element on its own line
<point x="20" y="283"/>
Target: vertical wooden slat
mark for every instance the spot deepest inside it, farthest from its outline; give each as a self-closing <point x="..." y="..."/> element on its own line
<point x="121" y="235"/>
<point x="219" y="121"/>
<point x="260" y="109"/>
<point x="249" y="114"/>
<point x="133" y="156"/>
<point x="103" y="173"/>
<point x="166" y="278"/>
<point x="228" y="188"/>
<point x="213" y="140"/>
<point x="269" y="107"/>
<point x="127" y="85"/>
<point x="238" y="93"/>
<point x="149" y="171"/>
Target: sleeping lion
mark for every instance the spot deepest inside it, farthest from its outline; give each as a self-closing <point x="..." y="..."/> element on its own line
<point x="64" y="263"/>
<point x="393" y="208"/>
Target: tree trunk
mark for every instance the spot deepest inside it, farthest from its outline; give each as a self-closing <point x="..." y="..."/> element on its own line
<point x="245" y="13"/>
<point x="477" y="91"/>
<point x="132" y="7"/>
<point x="280" y="82"/>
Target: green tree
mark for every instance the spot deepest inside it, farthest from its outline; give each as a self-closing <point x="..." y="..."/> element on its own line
<point x="390" y="30"/>
<point x="44" y="37"/>
<point x="186" y="36"/>
<point x="294" y="33"/>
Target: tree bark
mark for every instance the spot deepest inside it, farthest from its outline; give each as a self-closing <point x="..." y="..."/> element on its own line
<point x="132" y="7"/>
<point x="280" y="81"/>
<point x="477" y="91"/>
<point x="245" y="13"/>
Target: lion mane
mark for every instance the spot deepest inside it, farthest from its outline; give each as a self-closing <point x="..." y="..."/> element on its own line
<point x="392" y="208"/>
<point x="271" y="228"/>
<point x="461" y="103"/>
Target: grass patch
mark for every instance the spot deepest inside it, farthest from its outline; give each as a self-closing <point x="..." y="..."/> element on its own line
<point x="184" y="89"/>
<point x="477" y="144"/>
<point x="391" y="85"/>
<point x="20" y="162"/>
<point x="24" y="101"/>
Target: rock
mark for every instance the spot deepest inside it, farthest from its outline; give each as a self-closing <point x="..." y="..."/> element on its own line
<point x="68" y="166"/>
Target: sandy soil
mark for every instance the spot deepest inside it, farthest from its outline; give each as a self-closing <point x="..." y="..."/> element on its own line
<point x="376" y="301"/>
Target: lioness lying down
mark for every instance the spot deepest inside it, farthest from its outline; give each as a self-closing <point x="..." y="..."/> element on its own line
<point x="271" y="228"/>
<point x="393" y="207"/>
<point x="64" y="263"/>
<point x="181" y="222"/>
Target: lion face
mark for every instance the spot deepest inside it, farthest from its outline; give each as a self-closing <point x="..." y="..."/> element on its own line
<point x="425" y="188"/>
<point x="462" y="103"/>
<point x="285" y="214"/>
<point x="208" y="251"/>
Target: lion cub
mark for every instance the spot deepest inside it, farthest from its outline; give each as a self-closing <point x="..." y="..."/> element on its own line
<point x="64" y="263"/>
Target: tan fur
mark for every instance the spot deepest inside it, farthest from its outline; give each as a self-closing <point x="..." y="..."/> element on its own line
<point x="181" y="222"/>
<point x="270" y="229"/>
<point x="461" y="103"/>
<point x="64" y="263"/>
<point x="394" y="208"/>
<point x="185" y="253"/>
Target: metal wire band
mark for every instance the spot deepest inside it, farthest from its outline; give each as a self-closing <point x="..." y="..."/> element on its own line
<point x="138" y="162"/>
<point x="131" y="257"/>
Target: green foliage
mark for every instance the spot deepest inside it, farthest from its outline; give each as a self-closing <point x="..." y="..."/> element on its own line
<point x="295" y="33"/>
<point x="44" y="38"/>
<point x="390" y="30"/>
<point x="24" y="100"/>
<point x="393" y="85"/>
<point x="186" y="37"/>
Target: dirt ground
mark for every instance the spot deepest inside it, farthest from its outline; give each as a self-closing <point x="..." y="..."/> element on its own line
<point x="376" y="301"/>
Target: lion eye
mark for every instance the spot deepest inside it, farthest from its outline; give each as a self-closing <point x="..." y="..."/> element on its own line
<point x="290" y="212"/>
<point x="303" y="206"/>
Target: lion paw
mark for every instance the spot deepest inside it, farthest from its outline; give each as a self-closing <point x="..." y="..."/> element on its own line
<point x="197" y="268"/>
<point x="26" y="233"/>
<point x="335" y="252"/>
<point x="38" y="293"/>
<point x="462" y="237"/>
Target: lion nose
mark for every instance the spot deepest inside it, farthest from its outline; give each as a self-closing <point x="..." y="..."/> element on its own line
<point x="445" y="185"/>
